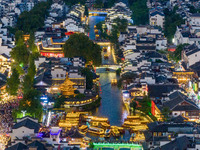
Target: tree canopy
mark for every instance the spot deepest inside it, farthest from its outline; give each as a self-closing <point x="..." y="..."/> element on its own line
<point x="80" y="45"/>
<point x="34" y="19"/>
<point x="59" y="101"/>
<point x="133" y="105"/>
<point x="98" y="4"/>
<point x="126" y="77"/>
<point x="73" y="2"/>
<point x="89" y="77"/>
<point x="31" y="103"/>
<point x="177" y="54"/>
<point x="13" y="83"/>
<point x="145" y="105"/>
<point x="20" y="53"/>
<point x="140" y="11"/>
<point x="86" y="13"/>
<point x="166" y="113"/>
<point x="172" y="20"/>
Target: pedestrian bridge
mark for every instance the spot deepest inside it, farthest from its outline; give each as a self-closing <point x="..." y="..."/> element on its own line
<point x="117" y="146"/>
<point x="102" y="42"/>
<point x="112" y="67"/>
<point x="98" y="11"/>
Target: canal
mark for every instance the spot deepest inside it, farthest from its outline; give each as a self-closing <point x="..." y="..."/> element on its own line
<point x="111" y="103"/>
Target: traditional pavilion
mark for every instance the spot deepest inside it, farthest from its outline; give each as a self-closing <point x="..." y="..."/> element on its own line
<point x="77" y="139"/>
<point x="67" y="88"/>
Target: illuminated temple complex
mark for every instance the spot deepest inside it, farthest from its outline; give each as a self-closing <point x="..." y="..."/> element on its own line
<point x="52" y="47"/>
<point x="67" y="87"/>
<point x="62" y="76"/>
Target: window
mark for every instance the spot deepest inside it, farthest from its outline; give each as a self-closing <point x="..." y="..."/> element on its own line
<point x="195" y="55"/>
<point x="175" y="113"/>
<point x="22" y="131"/>
<point x="61" y="75"/>
<point x="155" y="134"/>
<point x="57" y="75"/>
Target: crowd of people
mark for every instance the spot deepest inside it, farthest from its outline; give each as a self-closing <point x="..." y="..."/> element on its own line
<point x="6" y="119"/>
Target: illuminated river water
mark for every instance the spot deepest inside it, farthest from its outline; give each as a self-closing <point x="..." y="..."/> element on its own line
<point x="111" y="104"/>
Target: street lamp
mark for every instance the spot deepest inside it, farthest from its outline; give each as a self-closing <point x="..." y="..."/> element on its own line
<point x="23" y="112"/>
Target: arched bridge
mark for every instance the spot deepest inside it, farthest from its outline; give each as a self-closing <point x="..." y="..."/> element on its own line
<point x="102" y="42"/>
<point x="111" y="67"/>
<point x="98" y="12"/>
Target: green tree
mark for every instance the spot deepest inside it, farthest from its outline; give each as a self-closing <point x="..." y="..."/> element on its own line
<point x="128" y="78"/>
<point x="80" y="96"/>
<point x="91" y="145"/>
<point x="86" y="13"/>
<point x="73" y="2"/>
<point x="31" y="44"/>
<point x="98" y="4"/>
<point x="118" y="71"/>
<point x="166" y="113"/>
<point x="121" y="24"/>
<point x="193" y="9"/>
<point x="20" y="53"/>
<point x="145" y="105"/>
<point x="59" y="101"/>
<point x="89" y="77"/>
<point x="80" y="45"/>
<point x="37" y="15"/>
<point x="109" y="3"/>
<point x="28" y="83"/>
<point x="133" y="105"/>
<point x="18" y="35"/>
<point x="13" y="83"/>
<point x="177" y="54"/>
<point x="31" y="103"/>
<point x="103" y="30"/>
<point x="140" y="11"/>
<point x="31" y="68"/>
<point x="172" y="20"/>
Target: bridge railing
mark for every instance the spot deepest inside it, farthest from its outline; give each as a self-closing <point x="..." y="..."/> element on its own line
<point x="101" y="40"/>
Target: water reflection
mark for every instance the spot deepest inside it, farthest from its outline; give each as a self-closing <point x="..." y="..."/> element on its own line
<point x="111" y="104"/>
<point x="93" y="20"/>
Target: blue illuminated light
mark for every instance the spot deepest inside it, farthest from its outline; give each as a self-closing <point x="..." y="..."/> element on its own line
<point x="55" y="133"/>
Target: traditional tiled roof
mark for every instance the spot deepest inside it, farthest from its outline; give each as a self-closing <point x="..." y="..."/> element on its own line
<point x="163" y="89"/>
<point x="176" y="98"/>
<point x="38" y="145"/>
<point x="18" y="146"/>
<point x="163" y="127"/>
<point x="156" y="12"/>
<point x="28" y="123"/>
<point x="191" y="49"/>
<point x="6" y="56"/>
<point x="179" y="143"/>
<point x="179" y="119"/>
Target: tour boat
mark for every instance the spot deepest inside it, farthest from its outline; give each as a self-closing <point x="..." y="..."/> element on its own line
<point x="83" y="128"/>
<point x="115" y="132"/>
<point x="95" y="130"/>
<point x="105" y="125"/>
<point x="107" y="132"/>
